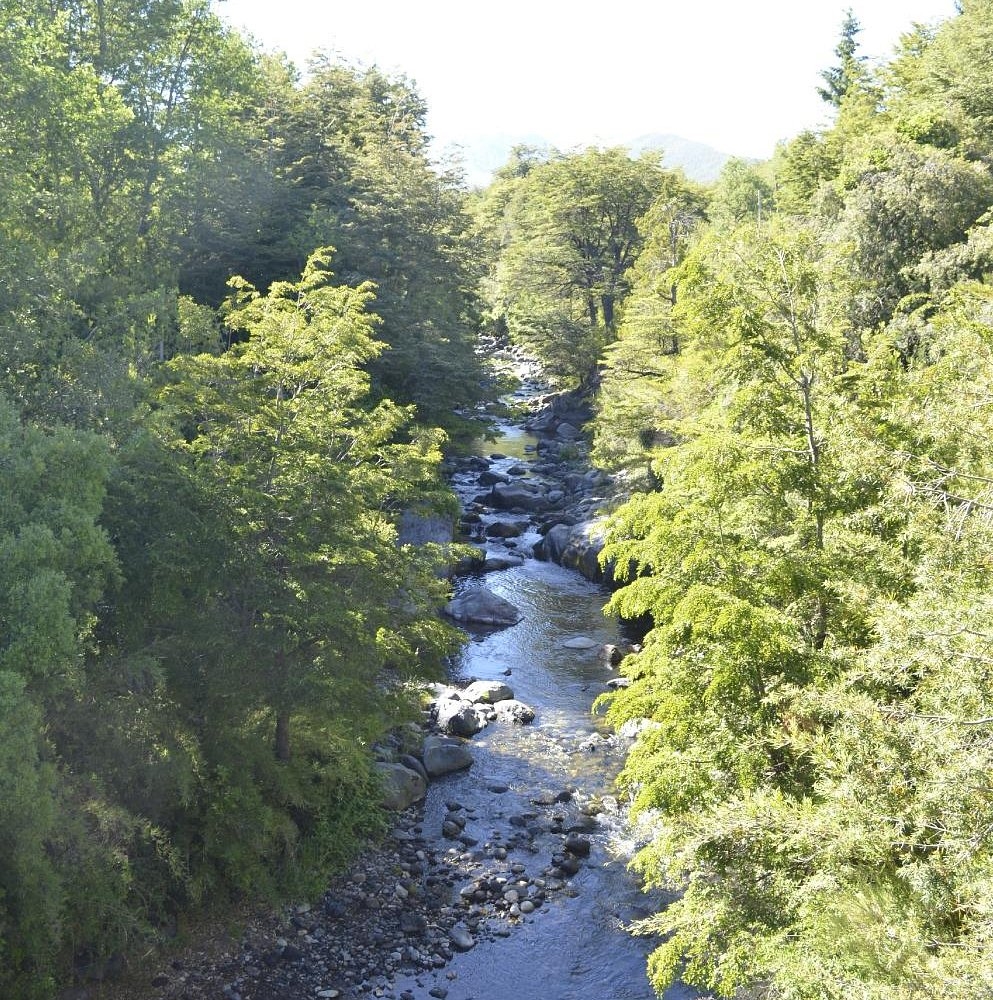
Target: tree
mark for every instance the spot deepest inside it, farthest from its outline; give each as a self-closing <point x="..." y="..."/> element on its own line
<point x="633" y="401"/>
<point x="572" y="239"/>
<point x="740" y="194"/>
<point x="356" y="144"/>
<point x="841" y="78"/>
<point x="55" y="568"/>
<point x="276" y="430"/>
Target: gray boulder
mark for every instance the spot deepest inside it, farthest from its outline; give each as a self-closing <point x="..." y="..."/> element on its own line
<point x="487" y="692"/>
<point x="482" y="606"/>
<point x="576" y="547"/>
<point x="512" y="710"/>
<point x="580" y="642"/>
<point x="490" y="478"/>
<point x="516" y="496"/>
<point x="551" y="547"/>
<point x="460" y="937"/>
<point x="443" y="755"/>
<point x="493" y="563"/>
<point x="402" y="786"/>
<point x="506" y="529"/>
<point x="459" y="717"/>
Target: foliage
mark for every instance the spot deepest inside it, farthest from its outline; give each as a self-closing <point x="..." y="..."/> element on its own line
<point x="195" y="654"/>
<point x="810" y="550"/>
<point x="568" y="234"/>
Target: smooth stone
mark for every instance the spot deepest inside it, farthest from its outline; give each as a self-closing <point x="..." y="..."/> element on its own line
<point x="482" y="606"/>
<point x="580" y="642"/>
<point x="512" y="710"/>
<point x="444" y="755"/>
<point x="487" y="692"/>
<point x="460" y="937"/>
<point x="402" y="786"/>
<point x="577" y="845"/>
<point x="460" y="718"/>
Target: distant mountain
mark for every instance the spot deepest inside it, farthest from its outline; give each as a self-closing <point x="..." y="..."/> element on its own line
<point x="699" y="161"/>
<point x="481" y="155"/>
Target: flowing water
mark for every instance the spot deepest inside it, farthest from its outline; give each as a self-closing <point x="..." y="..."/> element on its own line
<point x="575" y="947"/>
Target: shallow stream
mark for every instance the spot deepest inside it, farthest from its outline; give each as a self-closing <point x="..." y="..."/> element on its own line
<point x="575" y="947"/>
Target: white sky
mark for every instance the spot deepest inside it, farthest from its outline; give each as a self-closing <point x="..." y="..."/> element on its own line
<point x="739" y="76"/>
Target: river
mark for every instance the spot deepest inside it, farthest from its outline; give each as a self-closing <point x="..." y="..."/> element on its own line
<point x="576" y="946"/>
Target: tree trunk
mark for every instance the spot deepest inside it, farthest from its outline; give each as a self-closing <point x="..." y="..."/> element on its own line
<point x="607" y="308"/>
<point x="283" y="736"/>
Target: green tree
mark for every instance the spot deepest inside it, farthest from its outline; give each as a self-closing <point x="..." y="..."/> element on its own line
<point x="740" y="194"/>
<point x="356" y="143"/>
<point x="572" y="239"/>
<point x="318" y="594"/>
<point x="56" y="565"/>
<point x="841" y="78"/>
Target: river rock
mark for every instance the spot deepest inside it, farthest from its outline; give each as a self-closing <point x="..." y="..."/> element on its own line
<point x="506" y="529"/>
<point x="580" y="642"/>
<point x="402" y="786"/>
<point x="516" y="495"/>
<point x="459" y="717"/>
<point x="410" y="761"/>
<point x="567" y="431"/>
<point x="487" y="692"/>
<point x="576" y="547"/>
<point x="512" y="710"/>
<point x="482" y="606"/>
<point x="444" y="755"/>
<point x="460" y="937"/>
<point x="493" y="563"/>
<point x="472" y="562"/>
<point x="491" y="478"/>
<point x="577" y="845"/>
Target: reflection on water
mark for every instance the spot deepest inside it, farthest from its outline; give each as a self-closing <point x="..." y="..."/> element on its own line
<point x="513" y="442"/>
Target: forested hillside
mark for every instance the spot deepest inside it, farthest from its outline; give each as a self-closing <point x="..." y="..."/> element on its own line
<point x="238" y="319"/>
<point x="210" y="423"/>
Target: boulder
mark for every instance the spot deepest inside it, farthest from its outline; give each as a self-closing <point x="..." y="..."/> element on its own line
<point x="512" y="710"/>
<point x="490" y="478"/>
<point x="580" y="642"/>
<point x="482" y="606"/>
<point x="460" y="718"/>
<point x="487" y="692"/>
<point x="516" y="496"/>
<point x="567" y="431"/>
<point x="402" y="786"/>
<point x="506" y="529"/>
<point x="551" y="547"/>
<point x="576" y="547"/>
<point x="460" y="937"/>
<point x="492" y="564"/>
<point x="443" y="755"/>
<point x="412" y="762"/>
<point x="577" y="845"/>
